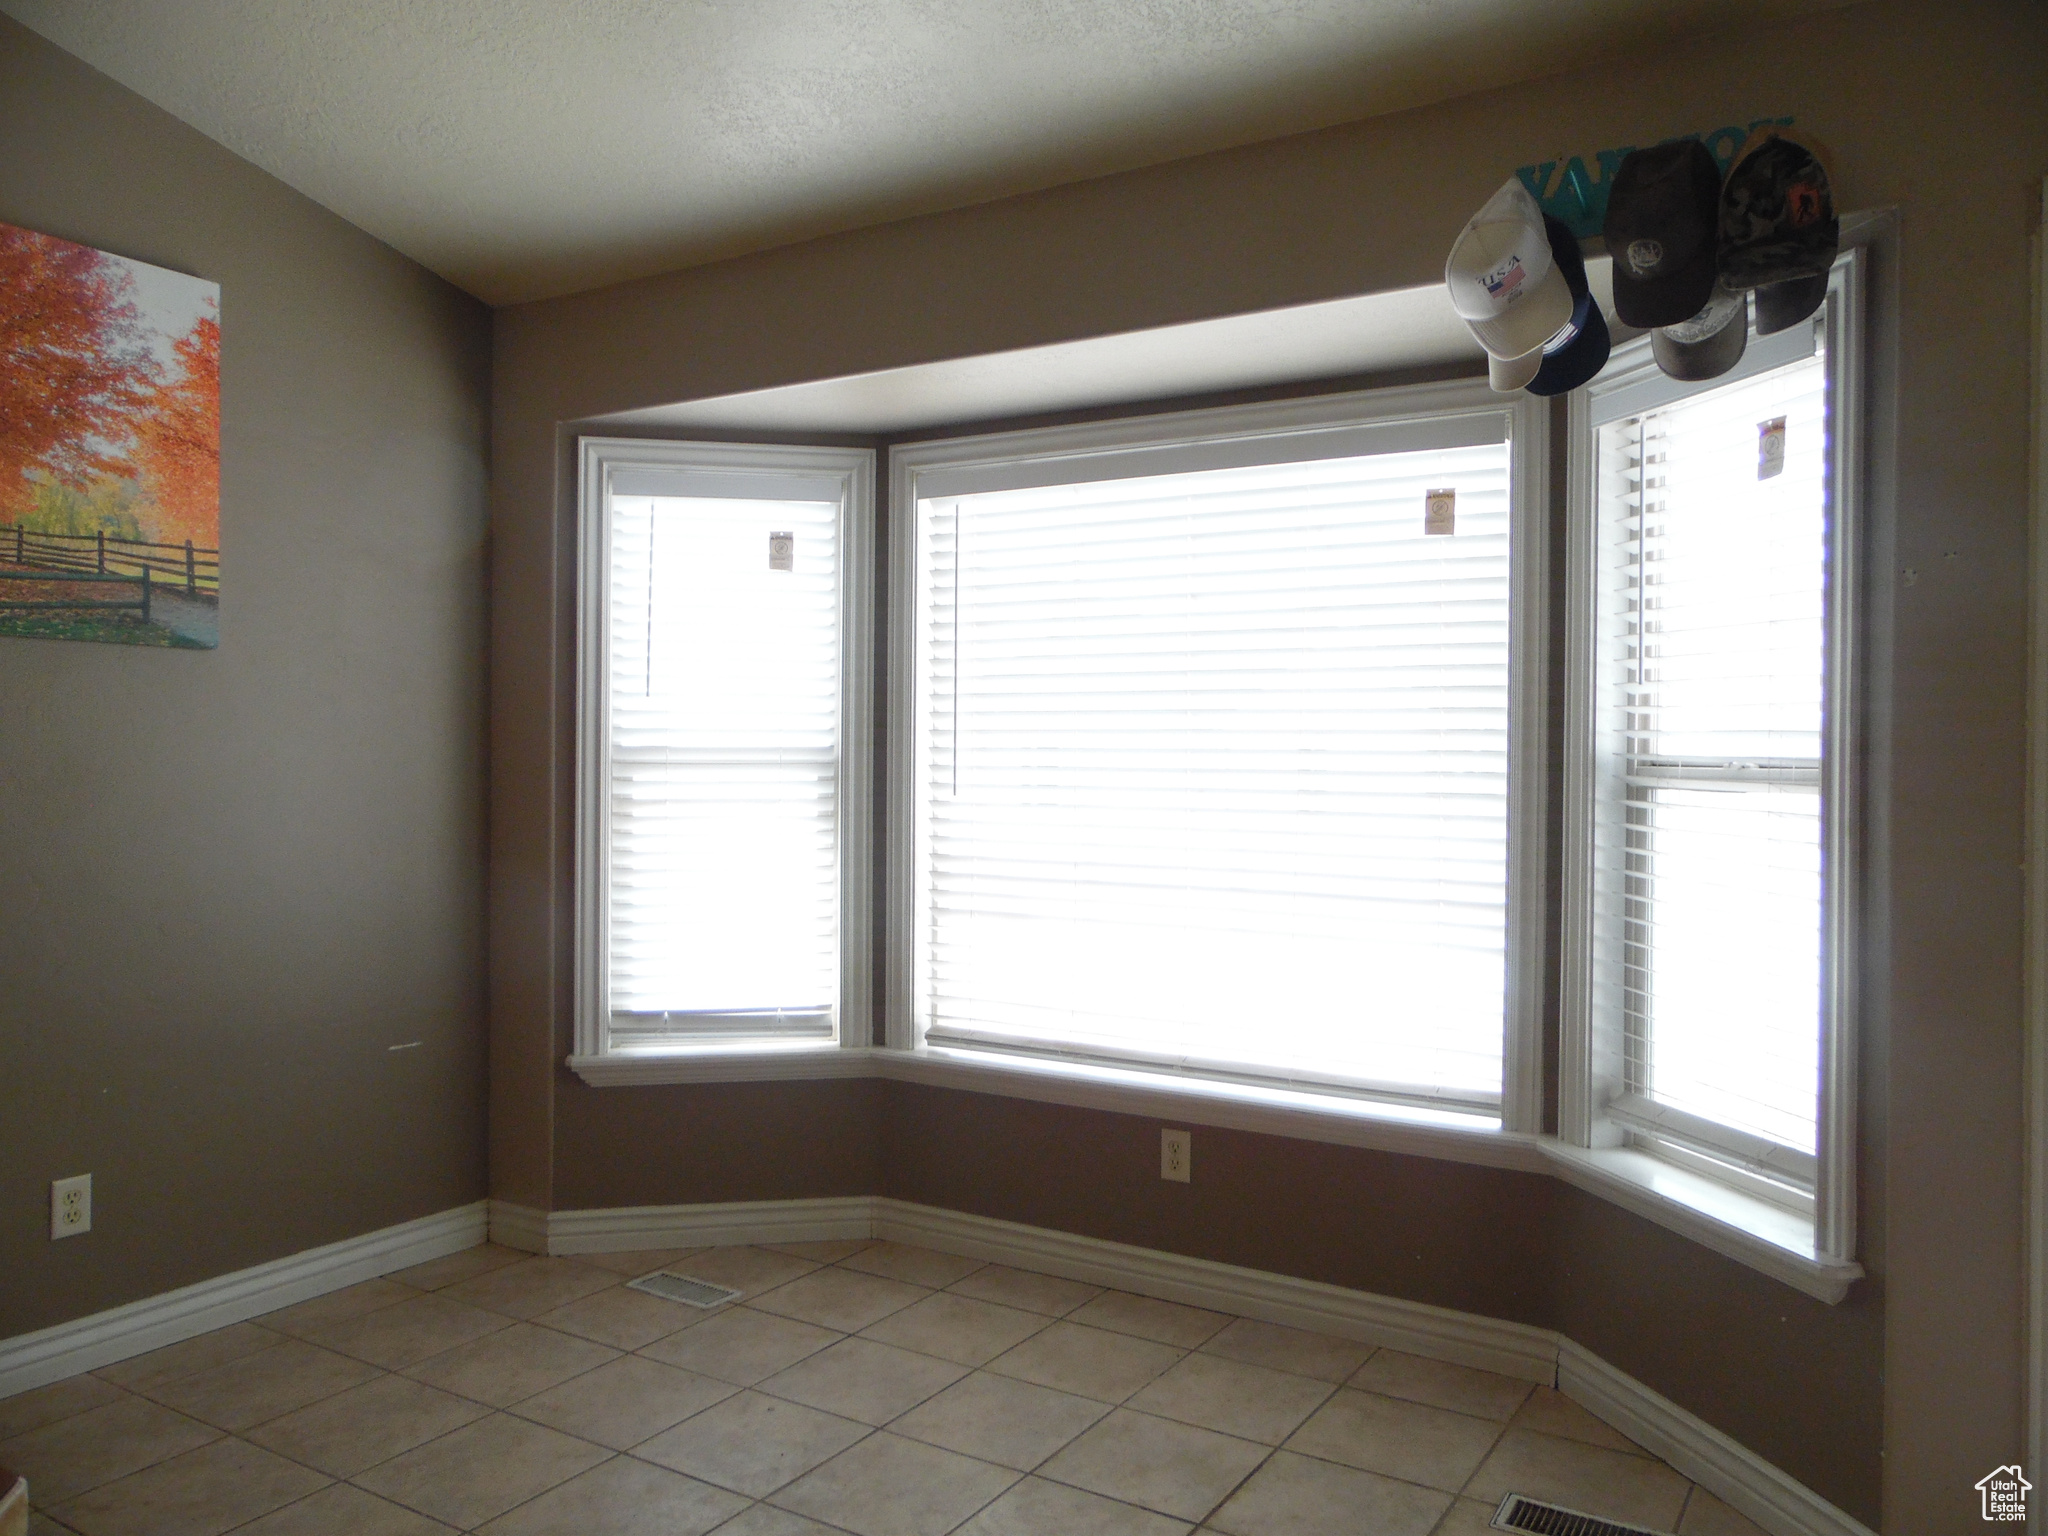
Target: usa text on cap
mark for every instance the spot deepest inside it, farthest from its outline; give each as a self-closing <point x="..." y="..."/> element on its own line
<point x="1503" y="281"/>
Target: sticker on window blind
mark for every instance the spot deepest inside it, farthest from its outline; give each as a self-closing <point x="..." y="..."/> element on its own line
<point x="1770" y="448"/>
<point x="781" y="551"/>
<point x="1439" y="511"/>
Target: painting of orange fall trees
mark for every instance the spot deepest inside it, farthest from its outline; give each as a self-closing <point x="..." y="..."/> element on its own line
<point x="109" y="447"/>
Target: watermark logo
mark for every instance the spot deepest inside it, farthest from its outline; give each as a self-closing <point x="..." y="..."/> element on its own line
<point x="2005" y="1494"/>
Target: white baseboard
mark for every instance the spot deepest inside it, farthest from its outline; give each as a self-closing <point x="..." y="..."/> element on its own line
<point x="1738" y="1477"/>
<point x="87" y="1343"/>
<point x="1511" y="1349"/>
<point x="624" y="1228"/>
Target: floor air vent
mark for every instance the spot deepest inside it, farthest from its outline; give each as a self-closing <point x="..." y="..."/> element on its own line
<point x="691" y="1293"/>
<point x="1517" y="1513"/>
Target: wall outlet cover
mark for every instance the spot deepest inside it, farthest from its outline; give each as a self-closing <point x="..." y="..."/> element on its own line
<point x="1176" y="1156"/>
<point x="71" y="1206"/>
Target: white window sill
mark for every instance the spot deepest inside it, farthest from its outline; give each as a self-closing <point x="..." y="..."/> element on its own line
<point x="1749" y="1230"/>
<point x="751" y="1062"/>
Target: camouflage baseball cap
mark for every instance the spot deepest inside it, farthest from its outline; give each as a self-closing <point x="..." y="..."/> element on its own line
<point x="1778" y="218"/>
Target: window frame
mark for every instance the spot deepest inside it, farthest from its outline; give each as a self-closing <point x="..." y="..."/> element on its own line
<point x="847" y="475"/>
<point x="1137" y="445"/>
<point x="1592" y="1142"/>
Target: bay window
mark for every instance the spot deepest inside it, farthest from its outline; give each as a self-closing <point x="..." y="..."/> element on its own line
<point x="1217" y="775"/>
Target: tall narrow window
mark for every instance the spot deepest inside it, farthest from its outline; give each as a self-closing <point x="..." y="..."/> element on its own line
<point x="1708" y="1024"/>
<point x="1215" y="757"/>
<point x="1716" y="549"/>
<point x="713" y="750"/>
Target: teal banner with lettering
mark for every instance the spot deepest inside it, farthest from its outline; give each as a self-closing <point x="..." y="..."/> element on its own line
<point x="1577" y="193"/>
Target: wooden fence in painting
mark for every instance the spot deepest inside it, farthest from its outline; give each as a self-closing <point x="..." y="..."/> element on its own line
<point x="10" y="604"/>
<point x="177" y="567"/>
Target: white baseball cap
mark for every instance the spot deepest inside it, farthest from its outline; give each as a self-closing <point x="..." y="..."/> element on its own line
<point x="1505" y="285"/>
<point x="1508" y="374"/>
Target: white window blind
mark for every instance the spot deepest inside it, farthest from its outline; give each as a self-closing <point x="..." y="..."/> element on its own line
<point x="723" y="765"/>
<point x="1711" y="824"/>
<point x="1214" y="772"/>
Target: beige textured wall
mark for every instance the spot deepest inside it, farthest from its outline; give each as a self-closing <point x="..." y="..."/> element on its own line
<point x="1906" y="1395"/>
<point x="230" y="879"/>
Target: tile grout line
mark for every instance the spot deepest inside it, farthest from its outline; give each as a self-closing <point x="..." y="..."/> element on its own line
<point x="1264" y="1461"/>
<point x="294" y="1504"/>
<point x="1001" y="1493"/>
<point x="552" y="1487"/>
<point x="278" y="1336"/>
<point x="776" y="1509"/>
<point x="1479" y="1466"/>
<point x="1685" y="1505"/>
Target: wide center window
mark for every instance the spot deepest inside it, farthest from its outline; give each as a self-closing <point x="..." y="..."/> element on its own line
<point x="1214" y="762"/>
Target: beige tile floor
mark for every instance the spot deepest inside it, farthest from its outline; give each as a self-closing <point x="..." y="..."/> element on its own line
<point x="856" y="1387"/>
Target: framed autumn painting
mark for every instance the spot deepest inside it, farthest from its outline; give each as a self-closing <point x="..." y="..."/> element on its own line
<point x="109" y="447"/>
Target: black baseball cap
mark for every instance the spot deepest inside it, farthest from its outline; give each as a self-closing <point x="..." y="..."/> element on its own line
<point x="1709" y="343"/>
<point x="1777" y="219"/>
<point x="1579" y="351"/>
<point x="1663" y="231"/>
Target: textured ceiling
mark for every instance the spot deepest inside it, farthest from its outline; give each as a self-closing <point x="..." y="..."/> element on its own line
<point x="524" y="148"/>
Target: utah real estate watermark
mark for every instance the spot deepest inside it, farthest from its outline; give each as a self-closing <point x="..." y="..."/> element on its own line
<point x="2004" y="1491"/>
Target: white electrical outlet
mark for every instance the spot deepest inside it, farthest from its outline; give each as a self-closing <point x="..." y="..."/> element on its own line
<point x="71" y="1206"/>
<point x="1176" y="1156"/>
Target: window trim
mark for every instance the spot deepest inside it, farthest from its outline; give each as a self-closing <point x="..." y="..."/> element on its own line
<point x="600" y="460"/>
<point x="1128" y="443"/>
<point x="1589" y="1140"/>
